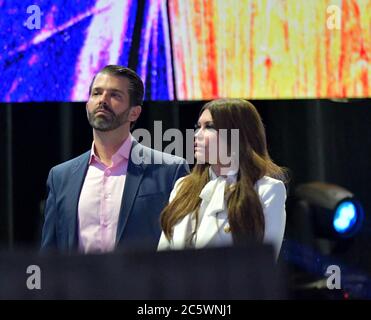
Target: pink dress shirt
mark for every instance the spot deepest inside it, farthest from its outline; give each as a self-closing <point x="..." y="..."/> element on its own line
<point x="100" y="200"/>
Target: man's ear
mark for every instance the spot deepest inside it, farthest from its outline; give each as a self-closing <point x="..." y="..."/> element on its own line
<point x="135" y="113"/>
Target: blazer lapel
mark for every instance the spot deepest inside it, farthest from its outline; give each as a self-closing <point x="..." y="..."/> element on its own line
<point x="180" y="233"/>
<point x="134" y="176"/>
<point x="214" y="216"/>
<point x="74" y="186"/>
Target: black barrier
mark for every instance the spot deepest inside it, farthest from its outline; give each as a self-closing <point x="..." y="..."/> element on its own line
<point x="219" y="273"/>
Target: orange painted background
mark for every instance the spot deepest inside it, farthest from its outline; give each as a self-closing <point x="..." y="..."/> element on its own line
<point x="267" y="49"/>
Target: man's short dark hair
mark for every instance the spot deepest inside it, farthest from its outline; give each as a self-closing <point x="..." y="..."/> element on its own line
<point x="136" y="87"/>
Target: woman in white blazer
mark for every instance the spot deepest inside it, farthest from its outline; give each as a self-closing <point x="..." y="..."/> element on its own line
<point x="220" y="203"/>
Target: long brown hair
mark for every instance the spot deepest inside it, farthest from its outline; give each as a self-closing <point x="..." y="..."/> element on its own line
<point x="245" y="212"/>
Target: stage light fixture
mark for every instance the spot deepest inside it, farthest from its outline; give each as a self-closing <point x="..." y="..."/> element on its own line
<point x="335" y="211"/>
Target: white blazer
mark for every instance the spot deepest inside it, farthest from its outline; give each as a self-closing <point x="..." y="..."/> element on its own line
<point x="213" y="227"/>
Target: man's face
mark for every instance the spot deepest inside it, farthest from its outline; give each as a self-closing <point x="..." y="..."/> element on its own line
<point x="108" y="106"/>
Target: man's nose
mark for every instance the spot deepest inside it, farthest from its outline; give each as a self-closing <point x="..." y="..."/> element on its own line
<point x="104" y="97"/>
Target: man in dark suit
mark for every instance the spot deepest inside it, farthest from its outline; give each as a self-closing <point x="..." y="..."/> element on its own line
<point x="112" y="195"/>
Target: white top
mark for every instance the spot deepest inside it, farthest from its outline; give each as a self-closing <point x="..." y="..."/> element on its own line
<point x="213" y="227"/>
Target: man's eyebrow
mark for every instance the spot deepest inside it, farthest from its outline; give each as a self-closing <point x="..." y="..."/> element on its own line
<point x="117" y="90"/>
<point x="113" y="90"/>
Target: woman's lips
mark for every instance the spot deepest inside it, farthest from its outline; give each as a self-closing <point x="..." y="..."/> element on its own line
<point x="199" y="145"/>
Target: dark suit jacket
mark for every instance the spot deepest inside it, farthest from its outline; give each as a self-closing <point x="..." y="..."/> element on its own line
<point x="146" y="192"/>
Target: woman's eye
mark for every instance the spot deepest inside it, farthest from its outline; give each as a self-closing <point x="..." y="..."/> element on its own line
<point x="206" y="127"/>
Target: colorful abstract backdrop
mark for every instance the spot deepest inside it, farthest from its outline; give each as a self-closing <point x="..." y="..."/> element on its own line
<point x="57" y="61"/>
<point x="271" y="48"/>
<point x="187" y="49"/>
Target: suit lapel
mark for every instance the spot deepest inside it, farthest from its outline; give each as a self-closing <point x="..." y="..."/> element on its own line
<point x="209" y="227"/>
<point x="180" y="233"/>
<point x="134" y="177"/>
<point x="78" y="172"/>
<point x="214" y="216"/>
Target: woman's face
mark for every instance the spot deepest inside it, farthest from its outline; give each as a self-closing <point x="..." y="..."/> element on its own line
<point x="206" y="140"/>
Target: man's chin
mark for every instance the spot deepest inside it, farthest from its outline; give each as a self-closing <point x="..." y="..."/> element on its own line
<point x="105" y="127"/>
<point x="102" y="127"/>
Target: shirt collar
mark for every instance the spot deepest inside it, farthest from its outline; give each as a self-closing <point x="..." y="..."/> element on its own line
<point x="230" y="177"/>
<point x="122" y="153"/>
